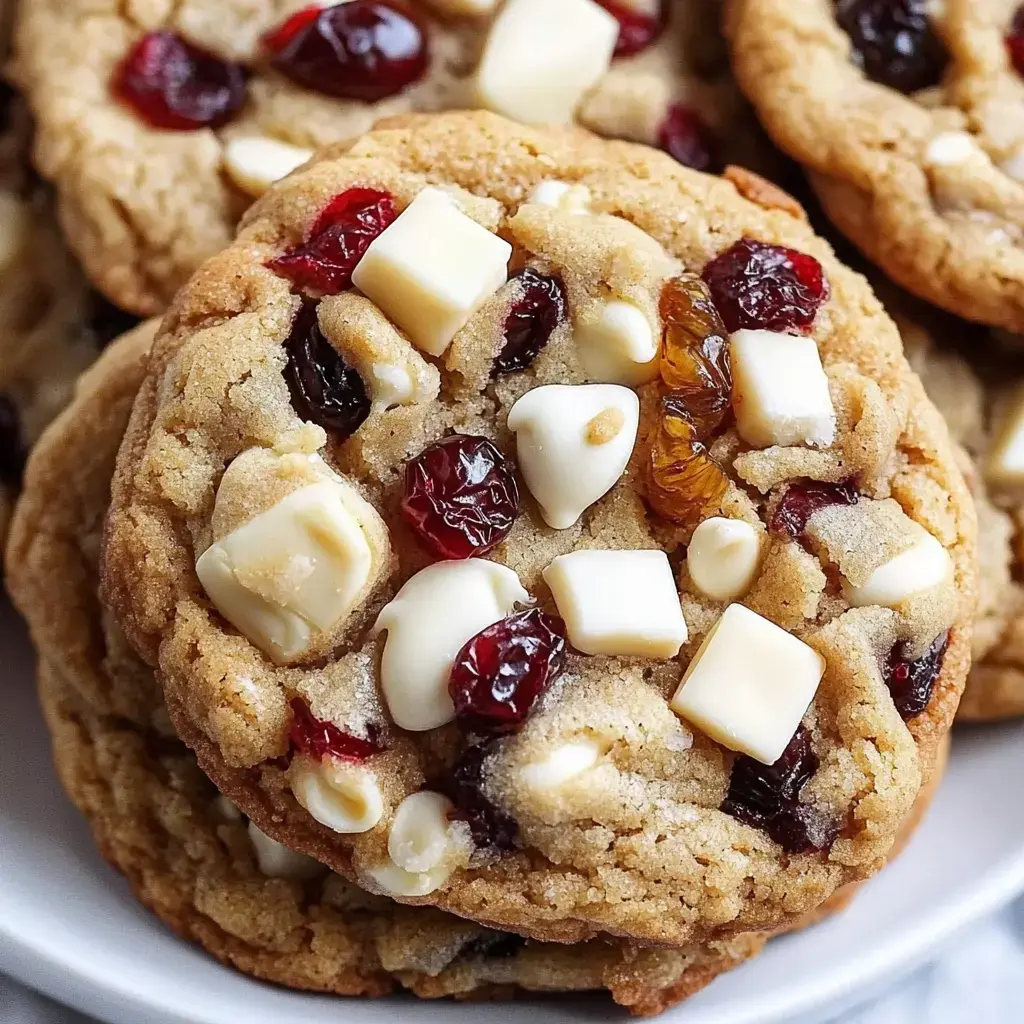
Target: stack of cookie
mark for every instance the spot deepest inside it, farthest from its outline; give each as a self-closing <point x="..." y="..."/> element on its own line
<point x="515" y="559"/>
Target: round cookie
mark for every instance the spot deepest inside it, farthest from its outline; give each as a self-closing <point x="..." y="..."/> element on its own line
<point x="362" y="715"/>
<point x="905" y="115"/>
<point x="142" y="205"/>
<point x="980" y="399"/>
<point x="189" y="853"/>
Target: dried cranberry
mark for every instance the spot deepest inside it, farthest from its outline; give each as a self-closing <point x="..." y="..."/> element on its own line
<point x="318" y="739"/>
<point x="324" y="388"/>
<point x="768" y="797"/>
<point x="499" y="674"/>
<point x="685" y="138"/>
<point x="1015" y="40"/>
<point x="361" y="50"/>
<point x="107" y="322"/>
<point x="337" y="241"/>
<point x="637" y="29"/>
<point x="531" y="320"/>
<point x="911" y="682"/>
<point x="767" y="287"/>
<point x="801" y="500"/>
<point x="177" y="86"/>
<point x="490" y="827"/>
<point x="461" y="496"/>
<point x="12" y="446"/>
<point x="894" y="42"/>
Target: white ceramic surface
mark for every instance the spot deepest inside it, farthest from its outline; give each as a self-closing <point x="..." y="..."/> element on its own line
<point x="69" y="927"/>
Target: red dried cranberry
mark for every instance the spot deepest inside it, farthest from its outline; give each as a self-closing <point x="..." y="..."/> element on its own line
<point x="319" y="739"/>
<point x="767" y="287"/>
<point x="324" y="388"/>
<point x="177" y="86"/>
<point x="499" y="674"/>
<point x="1015" y="40"/>
<point x="530" y="321"/>
<point x="637" y="30"/>
<point x="361" y="50"/>
<point x="911" y="682"/>
<point x="12" y="447"/>
<point x="107" y="322"/>
<point x="768" y="797"/>
<point x="894" y="42"/>
<point x="337" y="241"/>
<point x="461" y="496"/>
<point x="801" y="500"/>
<point x="685" y="138"/>
<point x="490" y="827"/>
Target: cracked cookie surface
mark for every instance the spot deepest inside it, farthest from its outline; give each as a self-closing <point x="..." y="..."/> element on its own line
<point x="144" y="206"/>
<point x="188" y="853"/>
<point x="583" y="804"/>
<point x="906" y="116"/>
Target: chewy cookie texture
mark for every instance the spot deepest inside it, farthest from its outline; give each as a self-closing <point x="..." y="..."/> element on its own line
<point x="189" y="853"/>
<point x="390" y="621"/>
<point x="158" y="123"/>
<point x="905" y="115"/>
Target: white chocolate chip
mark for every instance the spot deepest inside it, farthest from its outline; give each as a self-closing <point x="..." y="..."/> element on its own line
<point x="1004" y="466"/>
<point x="275" y="860"/>
<point x="255" y="162"/>
<point x="780" y="391"/>
<point x="431" y="269"/>
<point x="339" y="794"/>
<point x="618" y="602"/>
<point x="565" y="762"/>
<point x="616" y="343"/>
<point x="562" y="196"/>
<point x="296" y="569"/>
<point x="950" y="148"/>
<point x="924" y="565"/>
<point x="574" y="442"/>
<point x="396" y="881"/>
<point x="540" y="57"/>
<point x="749" y="684"/>
<point x="722" y="557"/>
<point x="428" y="622"/>
<point x="419" y="836"/>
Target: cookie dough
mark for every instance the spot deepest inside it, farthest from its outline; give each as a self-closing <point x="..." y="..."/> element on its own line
<point x="319" y="538"/>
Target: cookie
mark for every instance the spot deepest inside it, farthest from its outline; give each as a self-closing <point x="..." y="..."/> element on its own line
<point x="438" y="588"/>
<point x="151" y="180"/>
<point x="980" y="396"/>
<point x="189" y="854"/>
<point x="903" y="113"/>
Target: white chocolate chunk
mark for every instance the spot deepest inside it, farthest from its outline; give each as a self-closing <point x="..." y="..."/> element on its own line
<point x="722" y="557"/>
<point x="295" y="570"/>
<point x="541" y="56"/>
<point x="431" y="269"/>
<point x="780" y="391"/>
<point x="562" y="196"/>
<point x="255" y="162"/>
<point x="396" y="881"/>
<point x="618" y="602"/>
<point x="950" y="148"/>
<point x="428" y="622"/>
<point x="1004" y="466"/>
<point x="749" y="684"/>
<point x="419" y="835"/>
<point x="921" y="567"/>
<point x="392" y="385"/>
<point x="339" y="794"/>
<point x="275" y="860"/>
<point x="573" y="443"/>
<point x="565" y="762"/>
<point x="616" y="343"/>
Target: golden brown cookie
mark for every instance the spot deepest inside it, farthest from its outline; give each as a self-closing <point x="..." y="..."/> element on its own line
<point x="979" y="393"/>
<point x="189" y="854"/>
<point x="904" y="114"/>
<point x="152" y="178"/>
<point x="297" y="466"/>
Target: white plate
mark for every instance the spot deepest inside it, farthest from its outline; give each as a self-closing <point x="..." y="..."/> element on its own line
<point x="69" y="927"/>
